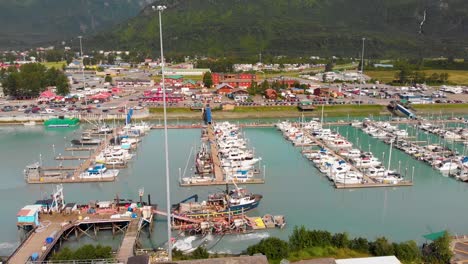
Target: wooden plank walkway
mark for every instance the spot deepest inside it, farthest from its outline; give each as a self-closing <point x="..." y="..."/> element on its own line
<point x="74" y="177"/>
<point x="59" y="179"/>
<point x="215" y="182"/>
<point x="218" y="172"/>
<point x="34" y="244"/>
<point x="127" y="247"/>
<point x="60" y="168"/>
<point x="71" y="157"/>
<point x="79" y="149"/>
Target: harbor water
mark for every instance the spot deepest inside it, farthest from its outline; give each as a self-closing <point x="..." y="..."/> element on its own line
<point x="294" y="188"/>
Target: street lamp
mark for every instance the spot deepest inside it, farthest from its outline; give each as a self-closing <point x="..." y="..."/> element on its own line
<point x="160" y="9"/>
<point x="362" y="56"/>
<point x="362" y="68"/>
<point x="82" y="70"/>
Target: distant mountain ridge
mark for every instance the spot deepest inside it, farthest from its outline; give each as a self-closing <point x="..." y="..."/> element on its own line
<point x="298" y="27"/>
<point x="29" y="22"/>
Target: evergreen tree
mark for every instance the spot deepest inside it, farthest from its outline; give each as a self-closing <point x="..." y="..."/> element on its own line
<point x="438" y="251"/>
<point x="207" y="80"/>
<point x="108" y="79"/>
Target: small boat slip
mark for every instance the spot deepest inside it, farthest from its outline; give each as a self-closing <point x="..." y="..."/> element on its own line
<point x="345" y="167"/>
<point x="79" y="149"/>
<point x="213" y="181"/>
<point x="72" y="157"/>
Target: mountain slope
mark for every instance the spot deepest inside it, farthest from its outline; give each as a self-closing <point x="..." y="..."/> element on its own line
<point x="298" y="27"/>
<point x="28" y="22"/>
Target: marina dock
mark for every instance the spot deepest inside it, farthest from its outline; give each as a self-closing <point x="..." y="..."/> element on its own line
<point x="71" y="157"/>
<point x="63" y="227"/>
<point x="33" y="244"/>
<point x="369" y="182"/>
<point x="218" y="176"/>
<point x="79" y="149"/>
<point x="218" y="172"/>
<point x="71" y="174"/>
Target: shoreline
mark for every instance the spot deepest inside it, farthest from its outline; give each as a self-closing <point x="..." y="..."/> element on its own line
<point x="255" y="113"/>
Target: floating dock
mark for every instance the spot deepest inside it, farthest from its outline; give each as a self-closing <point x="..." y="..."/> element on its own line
<point x="368" y="182"/>
<point x="218" y="177"/>
<point x="68" y="174"/>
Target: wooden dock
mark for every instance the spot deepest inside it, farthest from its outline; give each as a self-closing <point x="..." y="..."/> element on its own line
<point x="61" y="179"/>
<point x="127" y="247"/>
<point x="64" y="225"/>
<point x="218" y="172"/>
<point x="215" y="182"/>
<point x="74" y="177"/>
<point x="219" y="177"/>
<point x="371" y="185"/>
<point x="34" y="243"/>
<point x="71" y="157"/>
<point x="60" y="168"/>
<point x="79" y="149"/>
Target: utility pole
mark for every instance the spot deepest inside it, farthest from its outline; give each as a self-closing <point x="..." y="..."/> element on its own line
<point x="82" y="70"/>
<point x="362" y="56"/>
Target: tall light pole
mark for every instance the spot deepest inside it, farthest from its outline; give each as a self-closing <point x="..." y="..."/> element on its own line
<point x="166" y="147"/>
<point x="362" y="56"/>
<point x="82" y="69"/>
<point x="362" y="68"/>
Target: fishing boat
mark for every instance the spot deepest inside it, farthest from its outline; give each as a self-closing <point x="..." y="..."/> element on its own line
<point x="234" y="202"/>
<point x="86" y="140"/>
<point x="448" y="167"/>
<point x="339" y="143"/>
<point x="114" y="154"/>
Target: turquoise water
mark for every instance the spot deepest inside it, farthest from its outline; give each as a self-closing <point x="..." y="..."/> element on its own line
<point x="294" y="188"/>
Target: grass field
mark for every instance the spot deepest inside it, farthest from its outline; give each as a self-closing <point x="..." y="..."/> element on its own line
<point x="441" y="108"/>
<point x="455" y="76"/>
<point x="57" y="65"/>
<point x="158" y="110"/>
<point x="274" y="111"/>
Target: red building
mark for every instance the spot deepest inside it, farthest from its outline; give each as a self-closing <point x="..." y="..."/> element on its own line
<point x="224" y="89"/>
<point x="156" y="95"/>
<point x="271" y="94"/>
<point x="241" y="80"/>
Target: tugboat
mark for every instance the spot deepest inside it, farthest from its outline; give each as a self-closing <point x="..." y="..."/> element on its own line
<point x="234" y="202"/>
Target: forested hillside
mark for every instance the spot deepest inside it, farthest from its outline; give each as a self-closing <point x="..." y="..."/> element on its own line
<point x="299" y="27"/>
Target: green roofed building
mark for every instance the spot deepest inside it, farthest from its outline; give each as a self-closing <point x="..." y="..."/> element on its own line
<point x="62" y="122"/>
<point x="175" y="77"/>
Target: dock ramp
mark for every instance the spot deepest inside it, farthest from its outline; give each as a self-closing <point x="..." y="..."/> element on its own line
<point x="405" y="111"/>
